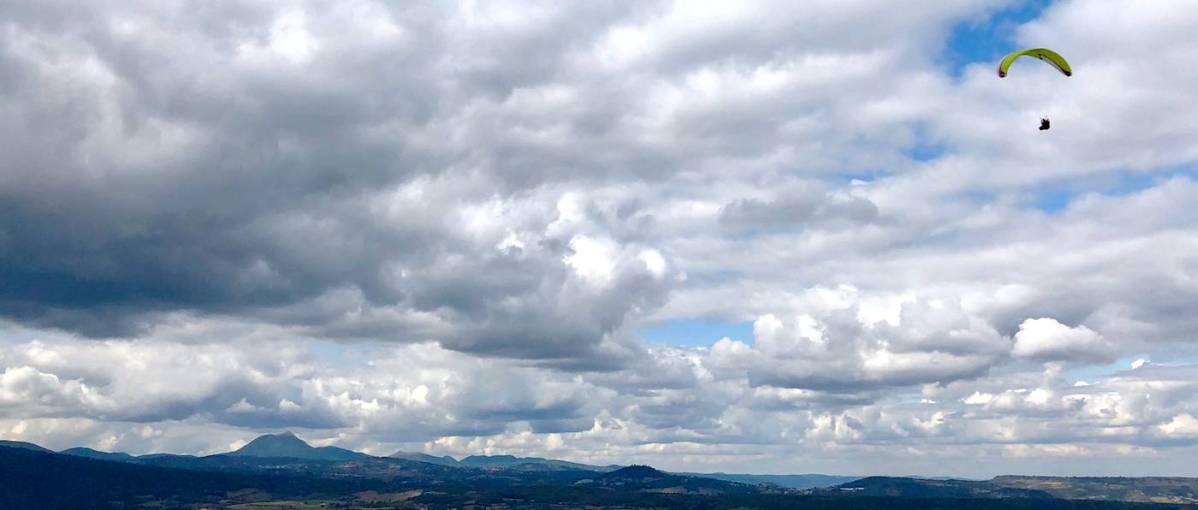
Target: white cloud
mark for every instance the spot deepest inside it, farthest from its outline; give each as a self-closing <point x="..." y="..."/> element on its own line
<point x="1047" y="339"/>
<point x="1182" y="425"/>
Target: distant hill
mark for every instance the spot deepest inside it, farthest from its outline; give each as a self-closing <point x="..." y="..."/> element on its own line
<point x="489" y="460"/>
<point x="23" y="445"/>
<point x="1174" y="490"/>
<point x="424" y="457"/>
<point x="896" y="487"/>
<point x="153" y="456"/>
<point x="96" y="454"/>
<point x="1146" y="489"/>
<point x="288" y="446"/>
<point x="45" y="480"/>
<point x="528" y="463"/>
<point x="804" y="481"/>
<point x="636" y="472"/>
<point x="637" y="478"/>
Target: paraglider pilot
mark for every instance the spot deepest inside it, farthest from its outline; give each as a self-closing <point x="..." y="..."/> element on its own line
<point x="1043" y="54"/>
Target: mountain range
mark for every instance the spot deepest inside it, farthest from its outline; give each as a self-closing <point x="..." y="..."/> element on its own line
<point x="283" y="468"/>
<point x="288" y="445"/>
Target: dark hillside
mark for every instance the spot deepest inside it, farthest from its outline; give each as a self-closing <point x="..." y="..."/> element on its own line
<point x="24" y="446"/>
<point x="96" y="454"/>
<point x="39" y="480"/>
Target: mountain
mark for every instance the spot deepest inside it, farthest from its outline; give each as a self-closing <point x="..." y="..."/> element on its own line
<point x="289" y="446"/>
<point x="637" y="478"/>
<point x="488" y="460"/>
<point x="635" y="472"/>
<point x="96" y="454"/>
<point x="804" y="481"/>
<point x="23" y="445"/>
<point x="424" y="457"/>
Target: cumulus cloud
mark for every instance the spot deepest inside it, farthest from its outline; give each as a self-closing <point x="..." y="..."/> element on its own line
<point x="418" y="392"/>
<point x="1182" y="425"/>
<point x="837" y="346"/>
<point x="1047" y="339"/>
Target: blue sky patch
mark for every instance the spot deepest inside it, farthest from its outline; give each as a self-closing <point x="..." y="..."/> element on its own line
<point x="1054" y="198"/>
<point x="925" y="151"/>
<point x="697" y="332"/>
<point x="987" y="40"/>
<point x="1094" y="373"/>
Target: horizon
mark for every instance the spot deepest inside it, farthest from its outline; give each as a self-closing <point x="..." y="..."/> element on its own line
<point x="756" y="238"/>
<point x="459" y="459"/>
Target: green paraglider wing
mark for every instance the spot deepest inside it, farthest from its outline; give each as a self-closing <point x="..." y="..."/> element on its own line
<point x="1044" y="54"/>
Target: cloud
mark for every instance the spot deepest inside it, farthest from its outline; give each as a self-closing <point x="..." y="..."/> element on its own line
<point x="27" y="384"/>
<point x="1182" y="425"/>
<point x="1047" y="339"/>
<point x="421" y="396"/>
<point x="835" y="346"/>
<point x="257" y="173"/>
<point x="419" y="391"/>
<point x="799" y="206"/>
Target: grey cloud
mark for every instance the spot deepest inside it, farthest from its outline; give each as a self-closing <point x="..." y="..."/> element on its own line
<point x="228" y="176"/>
<point x="798" y="206"/>
<point x="418" y="392"/>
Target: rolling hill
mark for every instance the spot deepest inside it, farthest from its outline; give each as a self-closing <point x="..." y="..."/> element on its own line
<point x="24" y="446"/>
<point x="96" y="454"/>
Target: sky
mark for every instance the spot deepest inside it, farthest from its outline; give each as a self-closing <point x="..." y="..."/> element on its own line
<point x="767" y="237"/>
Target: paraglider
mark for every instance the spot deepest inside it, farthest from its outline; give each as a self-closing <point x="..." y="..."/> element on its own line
<point x="1051" y="57"/>
<point x="1045" y="55"/>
